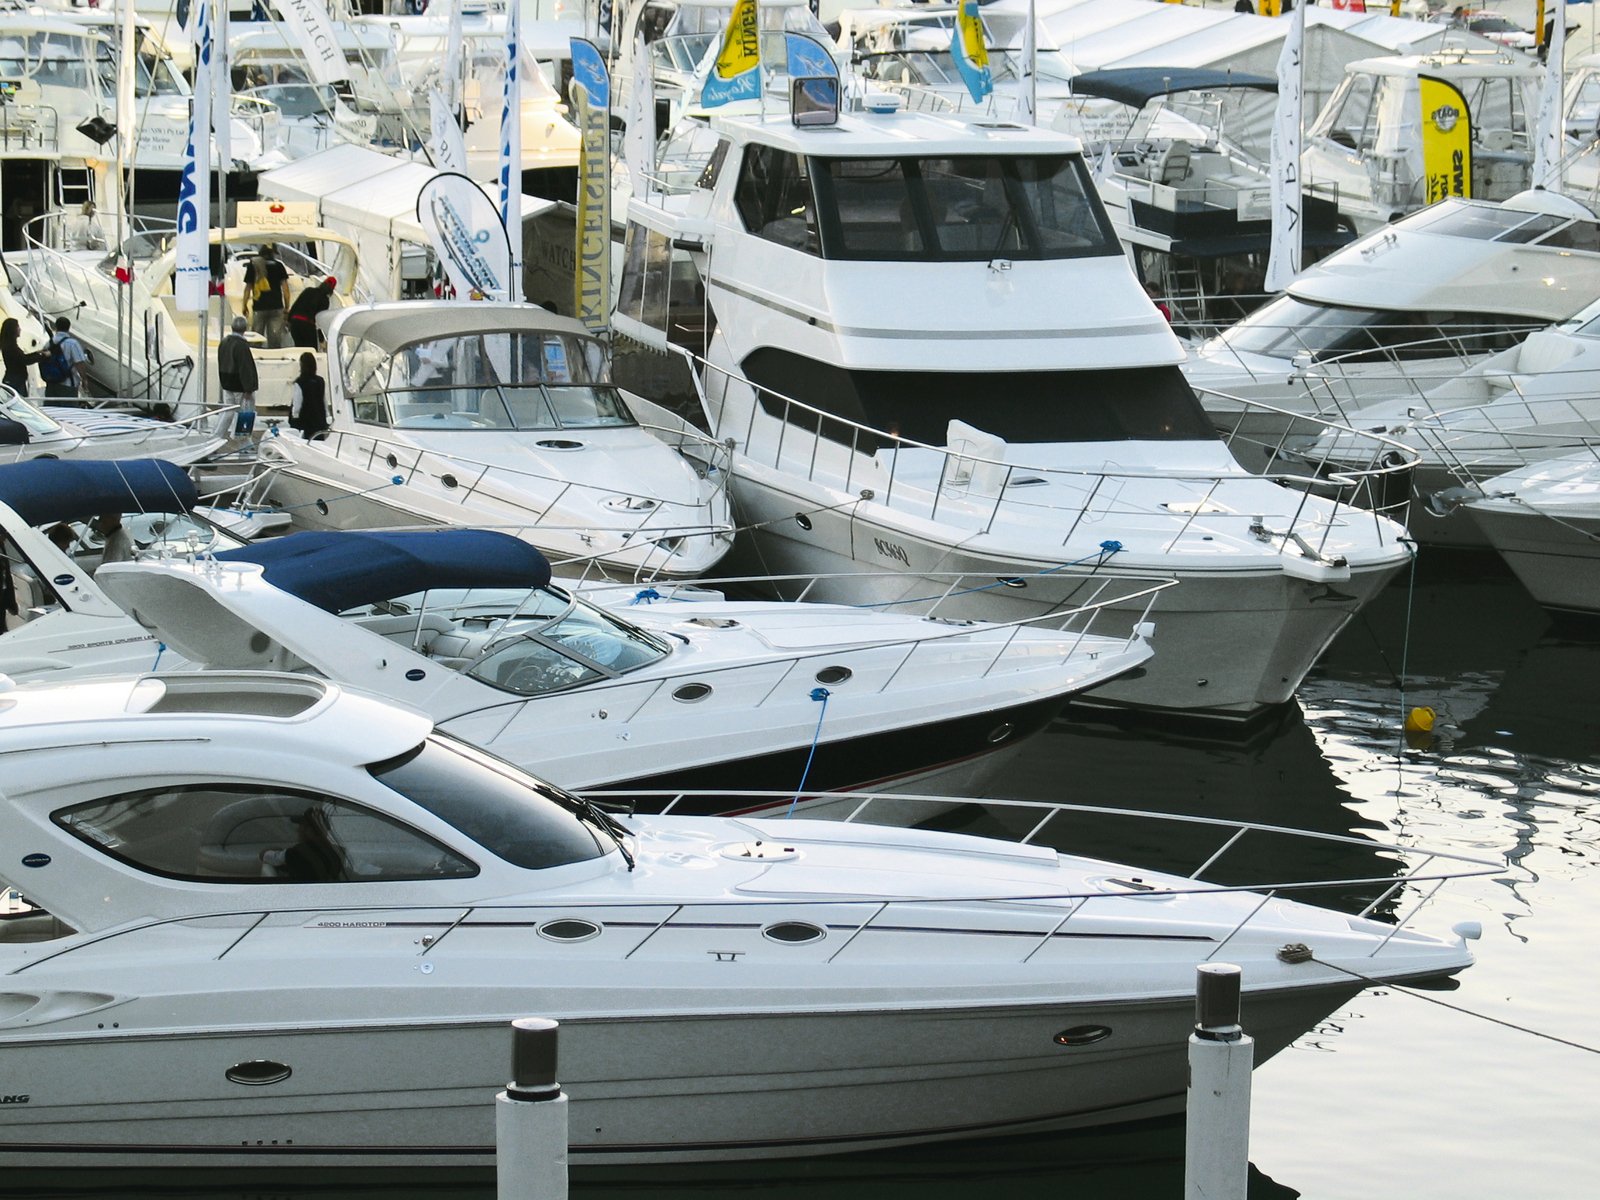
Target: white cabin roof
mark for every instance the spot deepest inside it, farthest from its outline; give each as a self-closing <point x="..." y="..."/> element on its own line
<point x="900" y="133"/>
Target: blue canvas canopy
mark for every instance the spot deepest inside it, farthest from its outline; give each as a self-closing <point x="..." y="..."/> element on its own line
<point x="46" y="490"/>
<point x="1137" y="86"/>
<point x="336" y="571"/>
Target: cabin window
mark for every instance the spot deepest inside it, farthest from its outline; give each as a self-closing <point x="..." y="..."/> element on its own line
<point x="526" y="822"/>
<point x="1020" y="406"/>
<point x="774" y="199"/>
<point x="662" y="291"/>
<point x="254" y="833"/>
<point x="960" y="209"/>
<point x="1288" y="326"/>
<point x="1350" y="118"/>
<point x="531" y="655"/>
<point x="1496" y="105"/>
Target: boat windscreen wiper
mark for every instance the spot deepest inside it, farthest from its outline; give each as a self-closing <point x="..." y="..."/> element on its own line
<point x="613" y="828"/>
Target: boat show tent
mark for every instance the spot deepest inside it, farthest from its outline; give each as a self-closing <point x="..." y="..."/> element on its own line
<point x="371" y="198"/>
<point x="1094" y="35"/>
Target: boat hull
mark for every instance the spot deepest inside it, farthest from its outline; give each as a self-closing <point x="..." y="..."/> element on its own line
<point x="1556" y="558"/>
<point x="642" y="1089"/>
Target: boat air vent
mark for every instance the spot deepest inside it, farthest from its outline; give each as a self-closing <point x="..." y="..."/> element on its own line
<point x="558" y="444"/>
<point x="1011" y="583"/>
<point x="258" y="1072"/>
<point x="632" y="504"/>
<point x="795" y="933"/>
<point x="803" y="521"/>
<point x="569" y="929"/>
<point x="833" y="675"/>
<point x="1001" y="733"/>
<point x="1082" y="1035"/>
<point x="689" y="693"/>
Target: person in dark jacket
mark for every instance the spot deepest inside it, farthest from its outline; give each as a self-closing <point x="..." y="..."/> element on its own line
<point x="17" y="360"/>
<point x="236" y="372"/>
<point x="308" y="405"/>
<point x="303" y="313"/>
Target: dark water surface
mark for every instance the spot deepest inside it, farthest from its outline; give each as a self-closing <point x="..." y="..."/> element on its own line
<point x="1393" y="1096"/>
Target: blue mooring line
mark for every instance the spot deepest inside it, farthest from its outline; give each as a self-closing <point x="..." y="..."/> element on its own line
<point x="821" y="694"/>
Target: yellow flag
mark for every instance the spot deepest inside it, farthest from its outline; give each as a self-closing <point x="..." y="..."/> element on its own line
<point x="1446" y="140"/>
<point x="741" y="41"/>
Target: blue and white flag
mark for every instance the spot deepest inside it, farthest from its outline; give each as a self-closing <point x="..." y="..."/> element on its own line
<point x="1550" y="141"/>
<point x="808" y="58"/>
<point x="311" y="26"/>
<point x="191" y="286"/>
<point x="467" y="235"/>
<point x="736" y="73"/>
<point x="969" y="52"/>
<point x="511" y="149"/>
<point x="1288" y="229"/>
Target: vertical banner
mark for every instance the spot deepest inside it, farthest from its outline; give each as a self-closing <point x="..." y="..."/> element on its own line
<point x="192" y="282"/>
<point x="511" y="149"/>
<point x="1288" y="231"/>
<point x="1446" y="140"/>
<point x="736" y="73"/>
<point x="591" y="101"/>
<point x="312" y="30"/>
<point x="1551" y="143"/>
<point x="969" y="52"/>
<point x="445" y="142"/>
<point x="455" y="91"/>
<point x="464" y="227"/>
<point x="639" y="142"/>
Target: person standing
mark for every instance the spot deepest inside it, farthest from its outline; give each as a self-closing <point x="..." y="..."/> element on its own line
<point x="308" y="306"/>
<point x="236" y="371"/>
<point x="308" y="405"/>
<point x="63" y="362"/>
<point x="16" y="359"/>
<point x="266" y="293"/>
<point x="116" y="543"/>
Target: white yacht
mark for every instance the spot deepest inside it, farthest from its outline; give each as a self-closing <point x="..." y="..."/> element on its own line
<point x="30" y="431"/>
<point x="930" y="355"/>
<point x="1366" y="144"/>
<point x="1544" y="519"/>
<point x="295" y="922"/>
<point x="1403" y="309"/>
<point x="659" y="688"/>
<point x="144" y="348"/>
<point x="499" y="415"/>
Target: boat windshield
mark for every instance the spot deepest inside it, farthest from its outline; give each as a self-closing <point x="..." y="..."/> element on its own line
<point x="1493" y="223"/>
<point x="15" y="408"/>
<point x="1289" y="326"/>
<point x="505" y="380"/>
<point x="523" y="820"/>
<point x="957" y="208"/>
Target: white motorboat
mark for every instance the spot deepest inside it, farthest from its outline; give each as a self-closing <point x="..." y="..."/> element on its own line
<point x="497" y="415"/>
<point x="1535" y="402"/>
<point x="55" y="620"/>
<point x="277" y="922"/>
<point x="1366" y="143"/>
<point x="1016" y="409"/>
<point x="1193" y="210"/>
<point x="55" y="431"/>
<point x="1403" y="309"/>
<point x="1544" y="519"/>
<point x="683" y="689"/>
<point x="144" y="347"/>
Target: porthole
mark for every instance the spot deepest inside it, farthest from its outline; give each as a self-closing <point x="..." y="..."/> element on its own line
<point x="569" y="929"/>
<point x="1082" y="1035"/>
<point x="1000" y="733"/>
<point x="449" y="481"/>
<point x="392" y="461"/>
<point x="803" y="521"/>
<point x="832" y="675"/>
<point x="689" y="693"/>
<point x="794" y="933"/>
<point x="258" y="1072"/>
<point x="259" y="642"/>
<point x="1019" y="584"/>
<point x="322" y="506"/>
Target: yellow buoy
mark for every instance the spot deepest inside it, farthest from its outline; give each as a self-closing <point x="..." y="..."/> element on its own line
<point x="1420" y="720"/>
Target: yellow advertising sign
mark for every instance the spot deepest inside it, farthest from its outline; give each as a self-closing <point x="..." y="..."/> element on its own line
<point x="1446" y="140"/>
<point x="1268" y="8"/>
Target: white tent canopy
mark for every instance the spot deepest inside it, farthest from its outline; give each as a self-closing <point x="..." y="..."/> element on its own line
<point x="371" y="198"/>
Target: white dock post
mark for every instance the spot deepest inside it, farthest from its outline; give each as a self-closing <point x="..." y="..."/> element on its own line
<point x="531" y="1118"/>
<point x="1217" y="1136"/>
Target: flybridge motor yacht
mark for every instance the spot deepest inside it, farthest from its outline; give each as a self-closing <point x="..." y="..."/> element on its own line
<point x="651" y="691"/>
<point x="495" y="414"/>
<point x="27" y="431"/>
<point x="159" y="348"/>
<point x="1544" y="519"/>
<point x="304" y="952"/>
<point x="1403" y="309"/>
<point x="1194" y="211"/>
<point x="1531" y="403"/>
<point x="1367" y="142"/>
<point x="1017" y="409"/>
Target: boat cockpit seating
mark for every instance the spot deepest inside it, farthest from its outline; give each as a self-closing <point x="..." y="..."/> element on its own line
<point x="1173" y="167"/>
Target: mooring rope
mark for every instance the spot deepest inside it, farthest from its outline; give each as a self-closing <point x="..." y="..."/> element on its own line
<point x="822" y="694"/>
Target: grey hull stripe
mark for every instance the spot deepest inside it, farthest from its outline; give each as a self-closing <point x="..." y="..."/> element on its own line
<point x="988" y="335"/>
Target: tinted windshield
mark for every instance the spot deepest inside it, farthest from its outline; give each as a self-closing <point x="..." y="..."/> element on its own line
<point x="1289" y="326"/>
<point x="516" y="817"/>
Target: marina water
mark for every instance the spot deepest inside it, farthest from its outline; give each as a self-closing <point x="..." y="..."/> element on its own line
<point x="1394" y="1095"/>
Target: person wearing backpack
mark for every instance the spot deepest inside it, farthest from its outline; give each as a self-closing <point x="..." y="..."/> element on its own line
<point x="266" y="288"/>
<point x="62" y="366"/>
